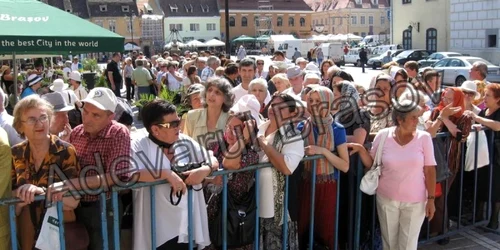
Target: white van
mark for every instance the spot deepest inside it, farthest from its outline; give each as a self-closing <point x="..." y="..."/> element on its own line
<point x="302" y="45"/>
<point x="352" y="56"/>
<point x="336" y="53"/>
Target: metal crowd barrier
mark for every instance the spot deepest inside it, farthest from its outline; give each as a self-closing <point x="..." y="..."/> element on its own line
<point x="355" y="235"/>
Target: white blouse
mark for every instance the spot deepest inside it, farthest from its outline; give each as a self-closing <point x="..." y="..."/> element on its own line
<point x="293" y="151"/>
<point x="171" y="221"/>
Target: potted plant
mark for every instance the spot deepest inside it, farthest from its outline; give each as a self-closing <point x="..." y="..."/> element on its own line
<point x="173" y="97"/>
<point x="90" y="67"/>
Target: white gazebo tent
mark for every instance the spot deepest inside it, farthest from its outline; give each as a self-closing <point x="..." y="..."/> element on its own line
<point x="215" y="43"/>
<point x="195" y="43"/>
<point x="168" y="45"/>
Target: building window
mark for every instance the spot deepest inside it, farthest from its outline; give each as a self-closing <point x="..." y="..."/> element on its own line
<point x="244" y="22"/>
<point x="491" y="38"/>
<point x="356" y="33"/>
<point x="194" y="27"/>
<point x="354" y="20"/>
<point x="175" y="27"/>
<point x="407" y="39"/>
<point x="302" y="22"/>
<point x="370" y="20"/>
<point x="362" y="20"/>
<point x="256" y="20"/>
<point x="210" y="26"/>
<point x="173" y="8"/>
<point x="103" y="8"/>
<point x="112" y="25"/>
<point x="382" y="19"/>
<point x="431" y="40"/>
<point x="279" y="22"/>
<point x="99" y="22"/>
<point x="125" y="8"/>
<point x="333" y="30"/>
<point x="333" y="20"/>
<point x="291" y="21"/>
<point x="406" y="1"/>
<point x="232" y="21"/>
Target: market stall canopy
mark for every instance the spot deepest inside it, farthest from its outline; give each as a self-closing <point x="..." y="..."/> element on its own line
<point x="244" y="38"/>
<point x="130" y="46"/>
<point x="262" y="39"/>
<point x="179" y="44"/>
<point x="31" y="26"/>
<point x="195" y="43"/>
<point x="215" y="43"/>
<point x="27" y="56"/>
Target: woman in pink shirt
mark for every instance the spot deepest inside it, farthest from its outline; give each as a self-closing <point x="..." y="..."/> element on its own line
<point x="405" y="194"/>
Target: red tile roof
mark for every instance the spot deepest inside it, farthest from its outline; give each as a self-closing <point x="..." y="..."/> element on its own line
<point x="290" y="5"/>
<point x="326" y="5"/>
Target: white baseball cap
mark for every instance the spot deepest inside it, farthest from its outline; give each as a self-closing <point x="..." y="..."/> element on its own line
<point x="102" y="98"/>
<point x="76" y="76"/>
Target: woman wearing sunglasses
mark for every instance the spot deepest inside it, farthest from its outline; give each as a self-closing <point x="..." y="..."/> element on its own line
<point x="155" y="155"/>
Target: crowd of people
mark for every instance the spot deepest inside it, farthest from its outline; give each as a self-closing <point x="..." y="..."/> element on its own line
<point x="240" y="114"/>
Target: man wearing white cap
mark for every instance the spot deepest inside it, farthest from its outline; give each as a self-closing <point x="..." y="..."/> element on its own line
<point x="101" y="144"/>
<point x="75" y="79"/>
<point x="295" y="76"/>
<point x="33" y="83"/>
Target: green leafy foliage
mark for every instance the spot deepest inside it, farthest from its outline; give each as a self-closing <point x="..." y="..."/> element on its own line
<point x="165" y="94"/>
<point x="90" y="65"/>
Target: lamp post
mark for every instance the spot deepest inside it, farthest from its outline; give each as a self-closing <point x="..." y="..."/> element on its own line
<point x="228" y="42"/>
<point x="131" y="20"/>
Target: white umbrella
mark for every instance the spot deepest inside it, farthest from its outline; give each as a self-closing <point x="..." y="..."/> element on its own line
<point x="195" y="43"/>
<point x="215" y="43"/>
<point x="168" y="45"/>
<point x="353" y="37"/>
<point x="130" y="46"/>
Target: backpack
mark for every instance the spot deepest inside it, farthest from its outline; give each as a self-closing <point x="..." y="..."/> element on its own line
<point x="74" y="115"/>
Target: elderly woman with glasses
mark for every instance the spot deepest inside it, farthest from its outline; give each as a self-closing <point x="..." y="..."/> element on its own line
<point x="217" y="99"/>
<point x="156" y="155"/>
<point x="405" y="194"/>
<point x="32" y="162"/>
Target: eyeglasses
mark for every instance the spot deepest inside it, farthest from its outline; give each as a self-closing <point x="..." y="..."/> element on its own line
<point x="172" y="124"/>
<point x="260" y="63"/>
<point x="33" y="120"/>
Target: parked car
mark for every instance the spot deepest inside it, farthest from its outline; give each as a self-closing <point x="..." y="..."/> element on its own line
<point x="410" y="55"/>
<point x="376" y="62"/>
<point x="456" y="69"/>
<point x="435" y="57"/>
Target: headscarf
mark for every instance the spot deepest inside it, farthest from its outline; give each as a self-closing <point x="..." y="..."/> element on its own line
<point x="458" y="101"/>
<point x="349" y="96"/>
<point x="322" y="123"/>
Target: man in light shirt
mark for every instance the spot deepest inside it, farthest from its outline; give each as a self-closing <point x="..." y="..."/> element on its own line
<point x="260" y="73"/>
<point x="209" y="71"/>
<point x="247" y="74"/>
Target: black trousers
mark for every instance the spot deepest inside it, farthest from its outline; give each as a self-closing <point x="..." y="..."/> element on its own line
<point x="90" y="215"/>
<point x="130" y="88"/>
<point x="173" y="245"/>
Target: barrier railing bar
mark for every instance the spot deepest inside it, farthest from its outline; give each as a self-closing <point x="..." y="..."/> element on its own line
<point x="460" y="198"/>
<point x="336" y="239"/>
<point x="13" y="229"/>
<point x="257" y="213"/>
<point x="285" y="215"/>
<point x="313" y="199"/>
<point x="104" y="221"/>
<point x="224" y="215"/>
<point x="60" y="217"/>
<point x="116" y="219"/>
<point x="476" y="145"/>
<point x="152" y="201"/>
<point x="374" y="221"/>
<point x="190" y="217"/>
<point x="357" y="217"/>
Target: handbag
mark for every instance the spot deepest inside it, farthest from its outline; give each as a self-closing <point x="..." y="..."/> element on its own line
<point x="179" y="170"/>
<point x="440" y="148"/>
<point x="369" y="182"/>
<point x="483" y="155"/>
<point x="75" y="234"/>
<point x="240" y="221"/>
<point x="74" y="115"/>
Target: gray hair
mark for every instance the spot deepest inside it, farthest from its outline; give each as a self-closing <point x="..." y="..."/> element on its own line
<point x="482" y="67"/>
<point x="402" y="111"/>
<point x="257" y="82"/>
<point x="139" y="62"/>
<point x="212" y="60"/>
<point x="225" y="87"/>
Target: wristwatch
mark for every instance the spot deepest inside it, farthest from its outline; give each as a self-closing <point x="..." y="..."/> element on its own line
<point x="431" y="197"/>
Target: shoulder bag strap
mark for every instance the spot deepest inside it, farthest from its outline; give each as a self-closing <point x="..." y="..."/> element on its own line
<point x="378" y="155"/>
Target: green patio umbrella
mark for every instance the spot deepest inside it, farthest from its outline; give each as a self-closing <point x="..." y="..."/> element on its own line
<point x="33" y="27"/>
<point x="244" y="38"/>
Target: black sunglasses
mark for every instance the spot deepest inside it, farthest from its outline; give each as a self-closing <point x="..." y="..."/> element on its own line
<point x="172" y="124"/>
